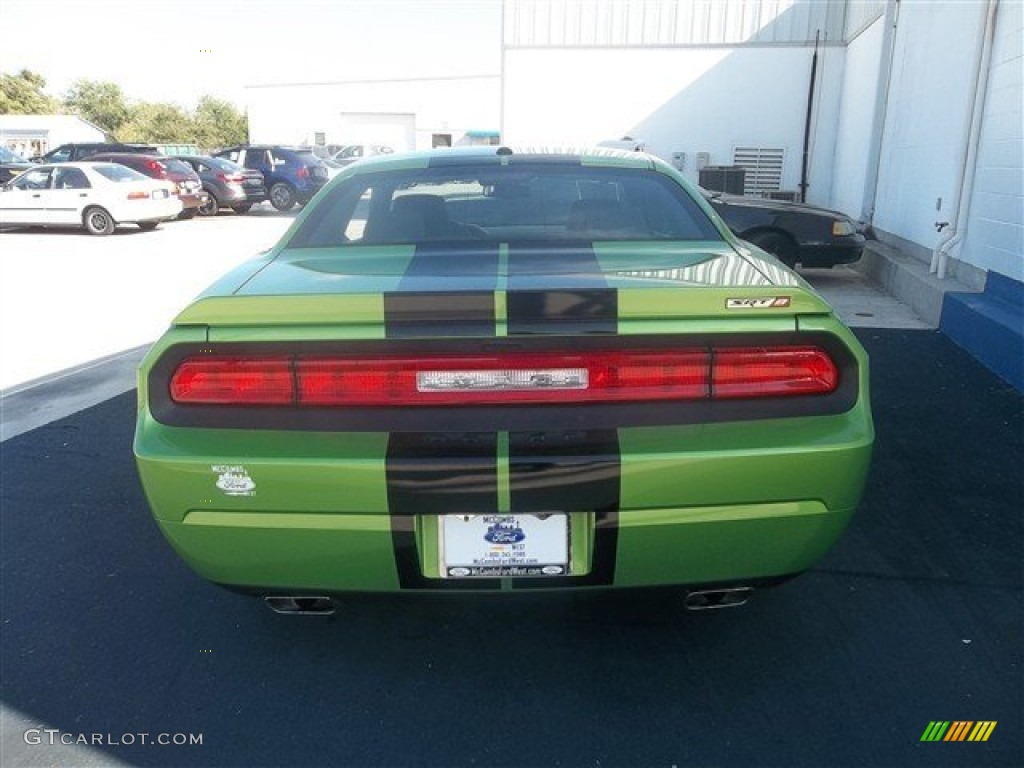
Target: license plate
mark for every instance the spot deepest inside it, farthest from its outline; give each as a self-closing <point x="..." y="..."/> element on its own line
<point x="504" y="545"/>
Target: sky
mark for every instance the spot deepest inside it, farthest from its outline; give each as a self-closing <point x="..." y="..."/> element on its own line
<point x="179" y="50"/>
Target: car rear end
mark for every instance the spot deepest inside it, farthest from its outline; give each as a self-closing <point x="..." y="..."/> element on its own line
<point x="499" y="407"/>
<point x="188" y="185"/>
<point x="183" y="179"/>
<point x="305" y="171"/>
<point x="231" y="185"/>
<point x="134" y="197"/>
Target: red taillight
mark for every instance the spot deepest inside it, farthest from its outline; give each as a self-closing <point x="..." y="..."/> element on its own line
<point x="156" y="166"/>
<point x="772" y="372"/>
<point x="231" y="178"/>
<point x="234" y="381"/>
<point x="303" y="172"/>
<point x="547" y="377"/>
<point x="540" y="378"/>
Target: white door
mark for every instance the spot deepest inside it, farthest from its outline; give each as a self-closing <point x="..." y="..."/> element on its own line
<point x="23" y="201"/>
<point x="69" y="193"/>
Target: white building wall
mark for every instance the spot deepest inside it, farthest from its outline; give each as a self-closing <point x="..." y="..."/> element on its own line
<point x="603" y="23"/>
<point x="929" y="104"/>
<point x="995" y="228"/>
<point x="29" y="135"/>
<point x="678" y="99"/>
<point x="295" y="113"/>
<point x="701" y="76"/>
<point x="856" y="116"/>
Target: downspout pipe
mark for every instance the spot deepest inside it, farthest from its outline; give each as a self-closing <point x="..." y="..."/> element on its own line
<point x="807" y="123"/>
<point x="881" y="105"/>
<point x="962" y="206"/>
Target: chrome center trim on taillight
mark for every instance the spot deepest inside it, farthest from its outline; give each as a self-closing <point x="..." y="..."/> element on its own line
<point x="502" y="380"/>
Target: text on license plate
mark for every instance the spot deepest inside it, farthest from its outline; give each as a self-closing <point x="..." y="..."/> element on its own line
<point x="504" y="545"/>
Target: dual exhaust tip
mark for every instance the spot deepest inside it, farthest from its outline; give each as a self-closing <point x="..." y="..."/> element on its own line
<point x="709" y="599"/>
<point x="304" y="605"/>
<point x="697" y="600"/>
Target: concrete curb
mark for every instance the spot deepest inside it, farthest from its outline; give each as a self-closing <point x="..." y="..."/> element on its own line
<point x="27" y="406"/>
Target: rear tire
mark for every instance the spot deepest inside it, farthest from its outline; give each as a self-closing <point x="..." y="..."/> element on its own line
<point x="777" y="244"/>
<point x="211" y="207"/>
<point x="98" y="221"/>
<point x="282" y="196"/>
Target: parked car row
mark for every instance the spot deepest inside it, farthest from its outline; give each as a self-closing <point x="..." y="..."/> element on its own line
<point x="291" y="175"/>
<point x="241" y="176"/>
<point x="96" y="196"/>
<point x="237" y="178"/>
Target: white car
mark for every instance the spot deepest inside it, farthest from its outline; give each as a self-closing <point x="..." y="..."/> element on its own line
<point x="353" y="152"/>
<point x="96" y="196"/>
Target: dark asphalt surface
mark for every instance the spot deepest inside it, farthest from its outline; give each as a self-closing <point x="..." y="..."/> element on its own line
<point x="915" y="616"/>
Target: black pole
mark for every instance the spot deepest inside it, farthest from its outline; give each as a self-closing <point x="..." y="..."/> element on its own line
<point x="807" y="124"/>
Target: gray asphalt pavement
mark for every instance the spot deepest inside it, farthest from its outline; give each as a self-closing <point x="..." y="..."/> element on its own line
<point x="915" y="616"/>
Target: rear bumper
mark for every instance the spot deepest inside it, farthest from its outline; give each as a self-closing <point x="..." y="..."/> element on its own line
<point x="843" y="250"/>
<point x="192" y="199"/>
<point x="305" y="191"/>
<point x="332" y="512"/>
<point x="742" y="544"/>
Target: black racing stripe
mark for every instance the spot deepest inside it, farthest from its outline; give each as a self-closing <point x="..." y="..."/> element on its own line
<point x="425" y="306"/>
<point x="572" y="471"/>
<point x="559" y="290"/>
<point x="436" y="474"/>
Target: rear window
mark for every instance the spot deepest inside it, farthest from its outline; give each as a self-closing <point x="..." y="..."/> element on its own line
<point x="177" y="166"/>
<point x="223" y="165"/>
<point x="521" y="202"/>
<point x="118" y="173"/>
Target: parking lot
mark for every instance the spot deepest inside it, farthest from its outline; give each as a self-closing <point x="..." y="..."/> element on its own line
<point x="914" y="617"/>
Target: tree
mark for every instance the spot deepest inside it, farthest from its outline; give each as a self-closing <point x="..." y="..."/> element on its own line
<point x="101" y="103"/>
<point x="157" y="122"/>
<point x="22" y="94"/>
<point x="219" y="124"/>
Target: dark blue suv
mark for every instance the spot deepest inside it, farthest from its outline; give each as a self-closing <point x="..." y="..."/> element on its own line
<point x="292" y="174"/>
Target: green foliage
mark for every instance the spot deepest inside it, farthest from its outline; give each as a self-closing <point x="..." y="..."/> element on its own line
<point x="157" y="122"/>
<point x="102" y="104"/>
<point x="214" y="122"/>
<point x="219" y="124"/>
<point x="22" y="94"/>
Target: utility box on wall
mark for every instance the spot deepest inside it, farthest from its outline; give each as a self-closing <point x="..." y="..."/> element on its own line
<point x="723" y="178"/>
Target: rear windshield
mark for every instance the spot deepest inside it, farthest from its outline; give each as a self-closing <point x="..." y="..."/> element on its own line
<point x="118" y="173"/>
<point x="522" y="202"/>
<point x="223" y="165"/>
<point x="177" y="166"/>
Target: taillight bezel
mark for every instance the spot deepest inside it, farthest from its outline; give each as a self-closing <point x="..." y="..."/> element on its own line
<point x="505" y="415"/>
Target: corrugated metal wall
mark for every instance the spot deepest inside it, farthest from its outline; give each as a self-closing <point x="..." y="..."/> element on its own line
<point x="619" y="23"/>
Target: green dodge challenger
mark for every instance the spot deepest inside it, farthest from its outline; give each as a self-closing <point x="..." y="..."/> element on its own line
<point x="497" y="371"/>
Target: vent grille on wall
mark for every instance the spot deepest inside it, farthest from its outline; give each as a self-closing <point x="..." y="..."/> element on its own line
<point x="763" y="166"/>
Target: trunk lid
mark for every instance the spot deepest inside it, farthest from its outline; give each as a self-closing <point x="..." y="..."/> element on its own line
<point x="644" y="282"/>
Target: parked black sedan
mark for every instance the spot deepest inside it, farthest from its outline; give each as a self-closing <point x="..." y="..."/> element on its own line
<point x="227" y="184"/>
<point x="11" y="165"/>
<point x="793" y="232"/>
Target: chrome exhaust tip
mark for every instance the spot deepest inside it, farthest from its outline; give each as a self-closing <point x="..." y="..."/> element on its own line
<point x="707" y="599"/>
<point x="302" y="604"/>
